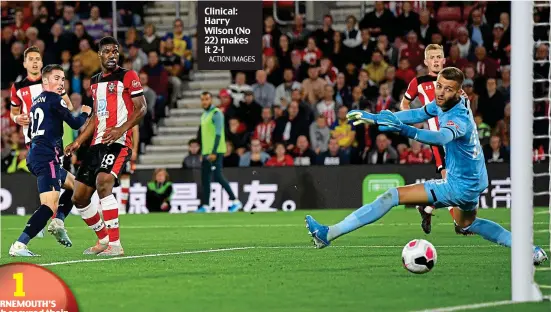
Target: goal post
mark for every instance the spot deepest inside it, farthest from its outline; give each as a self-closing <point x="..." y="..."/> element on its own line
<point x="522" y="213"/>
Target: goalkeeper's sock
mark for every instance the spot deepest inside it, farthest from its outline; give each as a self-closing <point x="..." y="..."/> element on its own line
<point x="491" y="231"/>
<point x="367" y="214"/>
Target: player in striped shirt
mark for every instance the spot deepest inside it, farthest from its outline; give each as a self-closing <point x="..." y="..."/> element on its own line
<point x="423" y="87"/>
<point x="119" y="105"/>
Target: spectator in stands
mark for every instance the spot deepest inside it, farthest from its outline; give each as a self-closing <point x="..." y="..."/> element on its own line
<point x="299" y="33"/>
<point x="358" y="100"/>
<point x="239" y="88"/>
<point x="484" y="131"/>
<point x="250" y="111"/>
<point x="159" y="191"/>
<point x="226" y="104"/>
<point x="369" y="88"/>
<point x="414" y="51"/>
<point x="66" y="61"/>
<point x="13" y="66"/>
<point x="182" y="43"/>
<point x="131" y="37"/>
<point x="298" y="66"/>
<point x="290" y="126"/>
<point x="32" y="36"/>
<point x="335" y="54"/>
<point x="88" y="57"/>
<point x="273" y="71"/>
<point x="324" y="35"/>
<point x="58" y="42"/>
<point x="351" y="36"/>
<point x="365" y="49"/>
<point x="478" y="31"/>
<point x="20" y="26"/>
<point x="68" y="20"/>
<point x="81" y="34"/>
<point x="333" y="156"/>
<point x="271" y="34"/>
<point x="505" y="20"/>
<point x="239" y="139"/>
<point x="311" y="54"/>
<point x="485" y="66"/>
<point x="7" y="40"/>
<point x="43" y="23"/>
<point x="454" y="59"/>
<point x="96" y="26"/>
<point x="320" y="134"/>
<point x="541" y="67"/>
<point x="193" y="159"/>
<point x="313" y="86"/>
<point x="303" y="155"/>
<point x="41" y="46"/>
<point x="417" y="154"/>
<point x="256" y="157"/>
<point x="438" y="39"/>
<point x="495" y="152"/>
<point x="465" y="45"/>
<point x="389" y="52"/>
<point x="231" y="159"/>
<point x="172" y="64"/>
<point x="404" y="71"/>
<point x="137" y="57"/>
<point x="504" y="84"/>
<point x="76" y="77"/>
<point x="384" y="153"/>
<point x="408" y="20"/>
<point x="380" y="21"/>
<point x="395" y="85"/>
<point x="280" y="158"/>
<point x="343" y="95"/>
<point x="150" y="41"/>
<point x="283" y="91"/>
<point x="496" y="46"/>
<point x="426" y="28"/>
<point x="283" y="52"/>
<point x="344" y="131"/>
<point x="264" y="131"/>
<point x="149" y="94"/>
<point x="376" y="69"/>
<point x="385" y="100"/>
<point x="264" y="92"/>
<point x="468" y="85"/>
<point x="491" y="104"/>
<point x="327" y="107"/>
<point x="158" y="81"/>
<point x="503" y="126"/>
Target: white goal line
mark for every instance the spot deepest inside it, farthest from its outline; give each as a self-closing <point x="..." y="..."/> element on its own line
<point x="476" y="306"/>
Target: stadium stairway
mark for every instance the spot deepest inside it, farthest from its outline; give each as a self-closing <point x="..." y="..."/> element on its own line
<point x="169" y="146"/>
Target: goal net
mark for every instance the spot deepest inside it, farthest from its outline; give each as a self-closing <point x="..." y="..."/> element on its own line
<point x="530" y="149"/>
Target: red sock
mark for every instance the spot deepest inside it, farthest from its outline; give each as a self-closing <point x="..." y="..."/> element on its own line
<point x="91" y="217"/>
<point x="451" y="213"/>
<point x="110" y="208"/>
<point x="124" y="197"/>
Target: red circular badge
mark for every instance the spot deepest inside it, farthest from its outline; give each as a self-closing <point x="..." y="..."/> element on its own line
<point x="29" y="287"/>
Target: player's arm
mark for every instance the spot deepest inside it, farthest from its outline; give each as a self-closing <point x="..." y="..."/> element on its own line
<point x="409" y="95"/>
<point x="67" y="100"/>
<point x="413" y="116"/>
<point x="83" y="136"/>
<point x="15" y="110"/>
<point x="135" y="142"/>
<point x="440" y="137"/>
<point x="74" y="122"/>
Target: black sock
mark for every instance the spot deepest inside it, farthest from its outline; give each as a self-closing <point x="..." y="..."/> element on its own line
<point x="65" y="205"/>
<point x="36" y="223"/>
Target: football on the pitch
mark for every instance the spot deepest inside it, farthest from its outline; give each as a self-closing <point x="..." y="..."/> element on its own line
<point x="419" y="256"/>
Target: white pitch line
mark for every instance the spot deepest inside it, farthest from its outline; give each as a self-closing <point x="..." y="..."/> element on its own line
<point x="541" y="212"/>
<point x="476" y="306"/>
<point x="543" y="269"/>
<point x="146" y="256"/>
<point x="545" y="286"/>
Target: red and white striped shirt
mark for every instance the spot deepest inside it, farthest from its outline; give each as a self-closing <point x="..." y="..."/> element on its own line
<point x="112" y="94"/>
<point x="22" y="95"/>
<point x="264" y="133"/>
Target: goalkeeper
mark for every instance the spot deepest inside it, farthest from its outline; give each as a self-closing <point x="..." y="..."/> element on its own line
<point x="466" y="180"/>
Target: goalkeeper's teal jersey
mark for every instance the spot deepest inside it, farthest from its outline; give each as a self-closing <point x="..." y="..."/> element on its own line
<point x="466" y="169"/>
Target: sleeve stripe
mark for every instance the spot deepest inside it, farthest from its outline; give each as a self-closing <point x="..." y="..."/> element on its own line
<point x="136" y="92"/>
<point x="450" y="130"/>
<point x="427" y="112"/>
<point x="407" y="96"/>
<point x="133" y="94"/>
<point x="14" y="104"/>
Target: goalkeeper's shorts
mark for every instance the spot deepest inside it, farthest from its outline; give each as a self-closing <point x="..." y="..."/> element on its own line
<point x="441" y="194"/>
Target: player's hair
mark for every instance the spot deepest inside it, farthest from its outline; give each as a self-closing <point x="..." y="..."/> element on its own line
<point x="453" y="73"/>
<point x="29" y="50"/>
<point x="206" y="93"/>
<point x="107" y="40"/>
<point x="48" y="69"/>
<point x="433" y="47"/>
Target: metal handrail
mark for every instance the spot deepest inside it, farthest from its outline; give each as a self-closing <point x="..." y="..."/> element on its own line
<point x="281" y="22"/>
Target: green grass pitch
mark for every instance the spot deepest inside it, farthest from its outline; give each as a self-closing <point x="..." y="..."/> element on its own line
<point x="279" y="270"/>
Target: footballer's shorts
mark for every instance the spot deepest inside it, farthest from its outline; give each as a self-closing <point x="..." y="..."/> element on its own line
<point x="103" y="158"/>
<point x="437" y="151"/>
<point x="48" y="175"/>
<point x="441" y="194"/>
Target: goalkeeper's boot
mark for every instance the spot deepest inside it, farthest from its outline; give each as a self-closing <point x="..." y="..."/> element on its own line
<point x="426" y="219"/>
<point x="236" y="205"/>
<point x="539" y="255"/>
<point x="112" y="251"/>
<point x="203" y="209"/>
<point x="57" y="229"/>
<point x="19" y="249"/>
<point x="461" y="231"/>
<point x="318" y="232"/>
<point x="97" y="248"/>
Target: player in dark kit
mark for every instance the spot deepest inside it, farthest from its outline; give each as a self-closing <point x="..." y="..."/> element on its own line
<point x="43" y="157"/>
<point x="119" y="105"/>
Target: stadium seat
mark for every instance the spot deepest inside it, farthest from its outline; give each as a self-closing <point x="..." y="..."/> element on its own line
<point x="466" y="11"/>
<point x="448" y="28"/>
<point x="448" y="14"/>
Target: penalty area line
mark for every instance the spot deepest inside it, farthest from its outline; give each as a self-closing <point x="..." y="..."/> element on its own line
<point x="476" y="306"/>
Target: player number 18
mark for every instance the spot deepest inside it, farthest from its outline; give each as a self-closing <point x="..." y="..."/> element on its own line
<point x="18" y="277"/>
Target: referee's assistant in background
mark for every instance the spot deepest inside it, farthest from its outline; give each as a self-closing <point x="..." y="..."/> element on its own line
<point x="213" y="147"/>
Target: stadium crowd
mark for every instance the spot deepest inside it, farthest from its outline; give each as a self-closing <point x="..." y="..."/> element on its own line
<point x="293" y="112"/>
